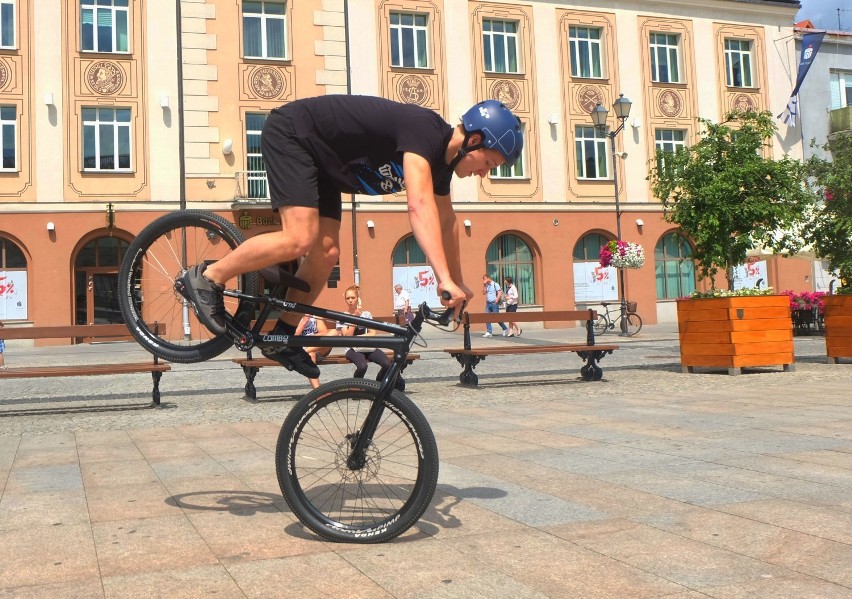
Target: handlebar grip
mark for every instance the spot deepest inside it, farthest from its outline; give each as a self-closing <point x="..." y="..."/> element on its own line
<point x="445" y="295"/>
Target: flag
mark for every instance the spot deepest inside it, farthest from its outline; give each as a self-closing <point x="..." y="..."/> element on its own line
<point x="810" y="46"/>
<point x="791" y="112"/>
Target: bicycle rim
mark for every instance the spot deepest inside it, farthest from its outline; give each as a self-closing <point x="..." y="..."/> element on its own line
<point x="634" y="324"/>
<point x="601" y="325"/>
<point x="376" y="502"/>
<point x="158" y="255"/>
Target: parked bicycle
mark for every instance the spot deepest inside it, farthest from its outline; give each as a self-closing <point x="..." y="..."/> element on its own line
<point x="356" y="460"/>
<point x="631" y="324"/>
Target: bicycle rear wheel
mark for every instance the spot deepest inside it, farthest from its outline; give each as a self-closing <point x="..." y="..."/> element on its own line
<point x="160" y="253"/>
<point x="601" y="325"/>
<point x="634" y="324"/>
<point x="371" y="504"/>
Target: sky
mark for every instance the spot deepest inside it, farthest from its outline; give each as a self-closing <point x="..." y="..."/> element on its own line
<point x="823" y="13"/>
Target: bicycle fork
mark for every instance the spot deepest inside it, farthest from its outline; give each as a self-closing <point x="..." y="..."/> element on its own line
<point x="361" y="440"/>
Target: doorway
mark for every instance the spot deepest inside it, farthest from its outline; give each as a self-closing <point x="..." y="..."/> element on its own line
<point x="96" y="281"/>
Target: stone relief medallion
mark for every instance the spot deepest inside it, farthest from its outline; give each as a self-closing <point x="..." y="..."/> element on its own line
<point x="104" y="77"/>
<point x="4" y="74"/>
<point x="670" y="103"/>
<point x="743" y="102"/>
<point x="588" y="97"/>
<point x="507" y="92"/>
<point x="267" y="83"/>
<point x="412" y="89"/>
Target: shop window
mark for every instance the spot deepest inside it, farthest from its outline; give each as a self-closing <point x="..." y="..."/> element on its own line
<point x="13" y="281"/>
<point x="674" y="266"/>
<point x="509" y="256"/>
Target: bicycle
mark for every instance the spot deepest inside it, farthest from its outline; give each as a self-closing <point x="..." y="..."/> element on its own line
<point x="631" y="324"/>
<point x="356" y="460"/>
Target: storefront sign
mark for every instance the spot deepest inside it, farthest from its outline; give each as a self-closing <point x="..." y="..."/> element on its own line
<point x="747" y="276"/>
<point x="419" y="282"/>
<point x="594" y="283"/>
<point x="13" y="295"/>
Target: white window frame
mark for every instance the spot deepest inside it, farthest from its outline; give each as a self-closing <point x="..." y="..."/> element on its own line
<point x="599" y="147"/>
<point x="841" y="89"/>
<point x="745" y="58"/>
<point x="254" y="175"/>
<point x="516" y="171"/>
<point x="419" y="34"/>
<point x="96" y="7"/>
<point x="667" y="44"/>
<point x="8" y="20"/>
<point x="577" y="46"/>
<point x="117" y="126"/>
<point x="510" y="39"/>
<point x="671" y="144"/>
<point x="266" y="20"/>
<point x="5" y="125"/>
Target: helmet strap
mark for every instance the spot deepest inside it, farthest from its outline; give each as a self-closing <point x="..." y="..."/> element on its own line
<point x="464" y="150"/>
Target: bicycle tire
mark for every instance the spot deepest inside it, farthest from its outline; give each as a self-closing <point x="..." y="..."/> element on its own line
<point x="634" y="324"/>
<point x="159" y="254"/>
<point x="601" y="325"/>
<point x="372" y="504"/>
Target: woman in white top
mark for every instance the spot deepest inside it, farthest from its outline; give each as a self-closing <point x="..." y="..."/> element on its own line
<point x="512" y="305"/>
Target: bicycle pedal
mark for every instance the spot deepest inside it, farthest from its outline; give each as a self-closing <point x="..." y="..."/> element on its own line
<point x="180" y="287"/>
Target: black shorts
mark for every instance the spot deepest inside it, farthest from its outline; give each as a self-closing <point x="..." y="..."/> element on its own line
<point x="294" y="177"/>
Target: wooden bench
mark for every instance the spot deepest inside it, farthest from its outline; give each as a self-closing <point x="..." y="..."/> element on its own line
<point x="251" y="366"/>
<point x="93" y="331"/>
<point x="469" y="357"/>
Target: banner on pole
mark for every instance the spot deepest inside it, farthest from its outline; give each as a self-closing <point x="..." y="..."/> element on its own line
<point x="810" y="46"/>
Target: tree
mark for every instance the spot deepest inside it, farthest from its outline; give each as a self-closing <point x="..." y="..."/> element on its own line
<point x="830" y="229"/>
<point x="728" y="197"/>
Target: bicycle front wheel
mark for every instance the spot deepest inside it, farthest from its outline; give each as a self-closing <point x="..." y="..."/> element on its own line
<point x="601" y="325"/>
<point x="160" y="253"/>
<point x="634" y="324"/>
<point x="373" y="503"/>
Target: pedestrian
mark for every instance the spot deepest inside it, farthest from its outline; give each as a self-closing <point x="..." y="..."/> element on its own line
<point x="361" y="356"/>
<point x="401" y="306"/>
<point x="2" y="349"/>
<point x="317" y="148"/>
<point x="493" y="294"/>
<point x="511" y="296"/>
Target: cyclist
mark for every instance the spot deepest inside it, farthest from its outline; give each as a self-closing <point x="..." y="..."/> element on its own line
<point x="315" y="149"/>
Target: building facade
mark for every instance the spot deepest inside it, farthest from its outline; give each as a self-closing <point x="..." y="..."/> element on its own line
<point x="114" y="112"/>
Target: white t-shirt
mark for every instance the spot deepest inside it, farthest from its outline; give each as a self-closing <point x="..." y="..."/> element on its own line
<point x="358" y="331"/>
<point x="400" y="299"/>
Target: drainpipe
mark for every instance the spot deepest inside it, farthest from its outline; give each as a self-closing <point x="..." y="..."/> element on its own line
<point x="356" y="273"/>
<point x="181" y="151"/>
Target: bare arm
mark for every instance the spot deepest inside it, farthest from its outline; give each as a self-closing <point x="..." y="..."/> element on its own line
<point x="434" y="225"/>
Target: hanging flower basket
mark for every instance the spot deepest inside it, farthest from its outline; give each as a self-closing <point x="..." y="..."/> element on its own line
<point x="622" y="254"/>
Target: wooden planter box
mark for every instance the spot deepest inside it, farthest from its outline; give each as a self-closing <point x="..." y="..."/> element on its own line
<point x="736" y="332"/>
<point x="838" y="327"/>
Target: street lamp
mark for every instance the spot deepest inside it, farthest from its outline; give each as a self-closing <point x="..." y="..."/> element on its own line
<point x="621" y="107"/>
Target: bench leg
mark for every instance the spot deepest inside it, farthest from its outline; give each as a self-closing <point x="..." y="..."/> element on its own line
<point x="591" y="371"/>
<point x="250" y="390"/>
<point x="468" y="377"/>
<point x="155" y="394"/>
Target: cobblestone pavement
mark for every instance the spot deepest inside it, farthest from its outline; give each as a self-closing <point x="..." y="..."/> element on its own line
<point x="650" y="483"/>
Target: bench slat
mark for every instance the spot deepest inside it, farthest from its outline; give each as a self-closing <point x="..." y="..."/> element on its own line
<point x="82" y="370"/>
<point x="528" y="349"/>
<point x="67" y="332"/>
<point x="482" y="318"/>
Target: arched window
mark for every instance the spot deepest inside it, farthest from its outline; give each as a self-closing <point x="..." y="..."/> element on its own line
<point x="13" y="281"/>
<point x="674" y="266"/>
<point x="408" y="253"/>
<point x="509" y="256"/>
<point x="592" y="282"/>
<point x="96" y="281"/>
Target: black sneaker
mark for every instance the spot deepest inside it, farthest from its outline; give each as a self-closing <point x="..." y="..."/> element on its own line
<point x="206" y="298"/>
<point x="293" y="358"/>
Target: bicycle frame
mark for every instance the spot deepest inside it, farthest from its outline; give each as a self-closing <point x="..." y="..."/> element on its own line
<point x="399" y="340"/>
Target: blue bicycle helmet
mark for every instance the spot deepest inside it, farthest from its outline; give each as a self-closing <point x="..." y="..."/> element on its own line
<point x="501" y="130"/>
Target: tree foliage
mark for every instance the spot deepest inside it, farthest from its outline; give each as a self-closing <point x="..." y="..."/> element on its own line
<point x="728" y="197"/>
<point x="830" y="230"/>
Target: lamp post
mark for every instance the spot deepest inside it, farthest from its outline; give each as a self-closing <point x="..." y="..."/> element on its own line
<point x="622" y="110"/>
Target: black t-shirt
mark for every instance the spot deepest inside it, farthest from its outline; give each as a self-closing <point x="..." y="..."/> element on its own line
<point x="358" y="141"/>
